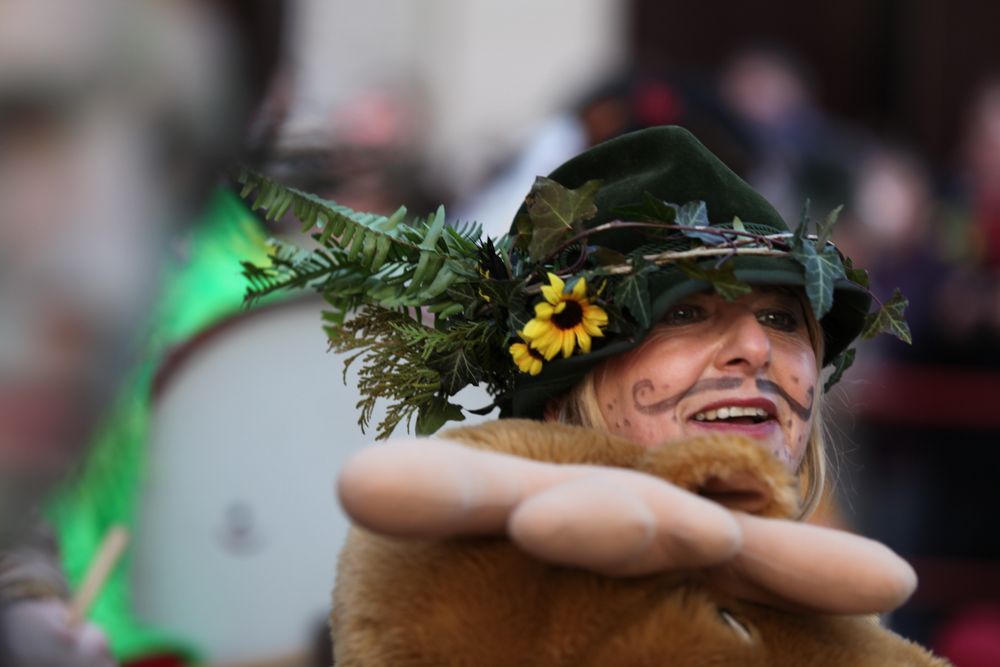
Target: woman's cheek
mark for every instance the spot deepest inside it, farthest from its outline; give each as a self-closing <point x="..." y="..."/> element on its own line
<point x="799" y="426"/>
<point x="802" y="440"/>
<point x="620" y="419"/>
<point x="801" y="386"/>
<point x="646" y="430"/>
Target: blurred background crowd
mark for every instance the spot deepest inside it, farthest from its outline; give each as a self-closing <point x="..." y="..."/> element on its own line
<point x="113" y="137"/>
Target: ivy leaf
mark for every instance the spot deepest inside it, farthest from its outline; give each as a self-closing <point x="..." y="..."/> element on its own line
<point x="695" y="214"/>
<point x="823" y="267"/>
<point x="802" y="231"/>
<point x="433" y="415"/>
<point x="652" y="209"/>
<point x="822" y="270"/>
<point x="722" y="279"/>
<point x="555" y="211"/>
<point x="632" y="293"/>
<point x="841" y="363"/>
<point x="825" y="228"/>
<point x="859" y="276"/>
<point x="631" y="213"/>
<point x="457" y="370"/>
<point x="659" y="210"/>
<point x="889" y="319"/>
<point x="522" y="223"/>
<point x="550" y="199"/>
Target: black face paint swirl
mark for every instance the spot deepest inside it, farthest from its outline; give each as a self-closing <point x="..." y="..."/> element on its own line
<point x="801" y="411"/>
<point x="708" y="384"/>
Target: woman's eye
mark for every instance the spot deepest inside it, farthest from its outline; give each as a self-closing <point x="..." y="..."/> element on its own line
<point x="683" y="314"/>
<point x="778" y="319"/>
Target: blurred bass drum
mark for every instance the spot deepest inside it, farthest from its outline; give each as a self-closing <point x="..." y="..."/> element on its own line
<point x="239" y="527"/>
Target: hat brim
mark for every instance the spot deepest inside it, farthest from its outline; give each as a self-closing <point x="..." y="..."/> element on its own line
<point x="841" y="325"/>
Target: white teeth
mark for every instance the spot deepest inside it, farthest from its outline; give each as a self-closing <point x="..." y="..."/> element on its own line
<point x="730" y="412"/>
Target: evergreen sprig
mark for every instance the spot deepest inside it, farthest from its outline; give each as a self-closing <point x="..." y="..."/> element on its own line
<point x="413" y="366"/>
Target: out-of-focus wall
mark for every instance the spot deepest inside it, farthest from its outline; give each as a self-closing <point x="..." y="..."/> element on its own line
<point x="485" y="71"/>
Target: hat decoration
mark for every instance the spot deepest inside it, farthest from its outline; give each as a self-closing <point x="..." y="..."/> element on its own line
<point x="431" y="308"/>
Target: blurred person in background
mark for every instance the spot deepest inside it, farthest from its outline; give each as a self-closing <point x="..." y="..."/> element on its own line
<point x="799" y="151"/>
<point x="895" y="215"/>
<point x="981" y="153"/>
<point x="966" y="623"/>
<point x="368" y="156"/>
<point x="927" y="410"/>
<point x="972" y="233"/>
<point x="113" y="118"/>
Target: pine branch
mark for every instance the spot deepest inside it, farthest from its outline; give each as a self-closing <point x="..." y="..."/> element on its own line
<point x="391" y="368"/>
<point x="413" y="366"/>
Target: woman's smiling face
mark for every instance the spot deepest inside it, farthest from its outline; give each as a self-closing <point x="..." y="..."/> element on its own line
<point x="711" y="366"/>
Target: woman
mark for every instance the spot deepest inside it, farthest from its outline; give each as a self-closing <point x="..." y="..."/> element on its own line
<point x="675" y="303"/>
<point x="746" y="368"/>
<point x="749" y="367"/>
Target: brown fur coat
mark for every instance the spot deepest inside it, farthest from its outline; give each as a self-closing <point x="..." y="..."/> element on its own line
<point x="480" y="602"/>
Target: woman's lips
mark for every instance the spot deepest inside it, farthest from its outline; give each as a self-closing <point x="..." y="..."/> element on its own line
<point x="760" y="430"/>
<point x="710" y="417"/>
<point x="766" y="405"/>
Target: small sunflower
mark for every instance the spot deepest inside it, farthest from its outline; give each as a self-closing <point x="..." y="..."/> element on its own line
<point x="527" y="359"/>
<point x="564" y="321"/>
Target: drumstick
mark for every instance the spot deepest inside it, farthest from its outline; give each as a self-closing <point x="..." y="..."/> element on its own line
<point x="111" y="549"/>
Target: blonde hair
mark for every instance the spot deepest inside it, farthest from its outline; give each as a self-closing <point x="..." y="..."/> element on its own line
<point x="580" y="406"/>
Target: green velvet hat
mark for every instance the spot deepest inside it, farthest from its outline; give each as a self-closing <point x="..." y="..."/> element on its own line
<point x="669" y="164"/>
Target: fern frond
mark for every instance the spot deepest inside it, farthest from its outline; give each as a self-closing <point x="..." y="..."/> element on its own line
<point x="410" y="365"/>
<point x="364" y="258"/>
<point x="368" y="238"/>
<point x="291" y="267"/>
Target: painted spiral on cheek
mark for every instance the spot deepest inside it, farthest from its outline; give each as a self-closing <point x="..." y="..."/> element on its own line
<point x="645" y="387"/>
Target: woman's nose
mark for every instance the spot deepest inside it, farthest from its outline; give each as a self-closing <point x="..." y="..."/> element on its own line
<point x="745" y="344"/>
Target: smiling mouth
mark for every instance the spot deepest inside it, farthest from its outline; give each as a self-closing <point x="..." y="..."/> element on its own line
<point x="733" y="415"/>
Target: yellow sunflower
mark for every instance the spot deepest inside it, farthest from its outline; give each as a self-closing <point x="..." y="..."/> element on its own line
<point x="564" y="321"/>
<point x="527" y="359"/>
